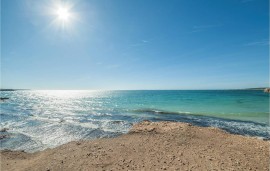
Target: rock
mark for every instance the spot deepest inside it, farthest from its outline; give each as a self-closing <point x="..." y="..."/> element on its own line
<point x="267" y="90"/>
<point x="61" y="121"/>
<point x="3" y="98"/>
<point x="117" y="122"/>
<point x="4" y="130"/>
<point x="3" y="136"/>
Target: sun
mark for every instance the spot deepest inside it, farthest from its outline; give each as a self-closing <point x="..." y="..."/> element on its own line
<point x="63" y="14"/>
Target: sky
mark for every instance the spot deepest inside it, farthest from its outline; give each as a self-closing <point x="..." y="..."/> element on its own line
<point x="134" y="44"/>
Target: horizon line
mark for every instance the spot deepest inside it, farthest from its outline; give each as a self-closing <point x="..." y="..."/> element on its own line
<point x="11" y="89"/>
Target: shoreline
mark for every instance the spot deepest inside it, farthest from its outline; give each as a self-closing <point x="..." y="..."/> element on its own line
<point x="150" y="146"/>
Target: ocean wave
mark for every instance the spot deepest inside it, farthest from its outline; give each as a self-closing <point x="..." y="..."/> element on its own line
<point x="158" y="111"/>
<point x="221" y="115"/>
<point x="247" y="128"/>
<point x="31" y="137"/>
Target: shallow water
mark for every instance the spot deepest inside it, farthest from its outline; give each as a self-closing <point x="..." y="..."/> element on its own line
<point x="37" y="120"/>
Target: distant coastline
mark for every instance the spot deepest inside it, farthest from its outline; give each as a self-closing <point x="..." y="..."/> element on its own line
<point x="4" y="89"/>
<point x="257" y="88"/>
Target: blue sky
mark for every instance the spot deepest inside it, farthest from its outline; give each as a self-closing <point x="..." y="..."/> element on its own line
<point x="135" y="44"/>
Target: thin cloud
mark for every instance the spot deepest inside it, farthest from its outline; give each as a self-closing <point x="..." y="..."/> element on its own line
<point x="141" y="43"/>
<point x="258" y="43"/>
<point x="200" y="28"/>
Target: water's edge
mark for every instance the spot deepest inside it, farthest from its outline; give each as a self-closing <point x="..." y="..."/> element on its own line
<point x="38" y="120"/>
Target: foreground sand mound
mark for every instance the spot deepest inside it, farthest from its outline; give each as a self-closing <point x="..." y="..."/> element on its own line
<point x="150" y="146"/>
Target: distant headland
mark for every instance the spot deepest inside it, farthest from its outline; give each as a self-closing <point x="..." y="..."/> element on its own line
<point x="257" y="88"/>
<point x="265" y="89"/>
<point x="4" y="89"/>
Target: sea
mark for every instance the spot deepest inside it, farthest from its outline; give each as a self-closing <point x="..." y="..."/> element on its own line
<point x="34" y="120"/>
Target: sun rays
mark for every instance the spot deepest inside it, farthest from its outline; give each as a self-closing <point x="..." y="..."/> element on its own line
<point x="63" y="15"/>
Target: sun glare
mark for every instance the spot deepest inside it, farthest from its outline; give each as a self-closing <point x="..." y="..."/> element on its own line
<point x="63" y="14"/>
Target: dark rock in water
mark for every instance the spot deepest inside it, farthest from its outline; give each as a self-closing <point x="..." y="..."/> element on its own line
<point x="117" y="122"/>
<point x="61" y="121"/>
<point x="4" y="130"/>
<point x="267" y="90"/>
<point x="3" y="136"/>
<point x="3" y="98"/>
<point x="266" y="139"/>
<point x="4" y="133"/>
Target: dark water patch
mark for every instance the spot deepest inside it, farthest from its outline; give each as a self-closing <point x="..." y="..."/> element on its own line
<point x="240" y="101"/>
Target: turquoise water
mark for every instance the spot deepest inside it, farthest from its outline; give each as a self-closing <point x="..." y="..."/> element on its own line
<point x="37" y="120"/>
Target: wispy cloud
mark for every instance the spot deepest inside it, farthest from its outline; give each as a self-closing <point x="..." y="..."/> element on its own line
<point x="141" y="43"/>
<point x="258" y="43"/>
<point x="200" y="28"/>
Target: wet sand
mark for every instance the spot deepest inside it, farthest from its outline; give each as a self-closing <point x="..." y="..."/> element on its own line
<point x="150" y="146"/>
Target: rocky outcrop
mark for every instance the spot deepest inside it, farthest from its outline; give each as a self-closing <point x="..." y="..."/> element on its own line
<point x="267" y="90"/>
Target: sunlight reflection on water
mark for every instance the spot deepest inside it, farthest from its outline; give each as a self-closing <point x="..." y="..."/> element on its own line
<point x="42" y="119"/>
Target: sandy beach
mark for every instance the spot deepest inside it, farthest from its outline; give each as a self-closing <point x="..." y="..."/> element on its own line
<point x="150" y="146"/>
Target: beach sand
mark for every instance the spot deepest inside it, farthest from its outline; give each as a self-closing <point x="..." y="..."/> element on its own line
<point x="150" y="146"/>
